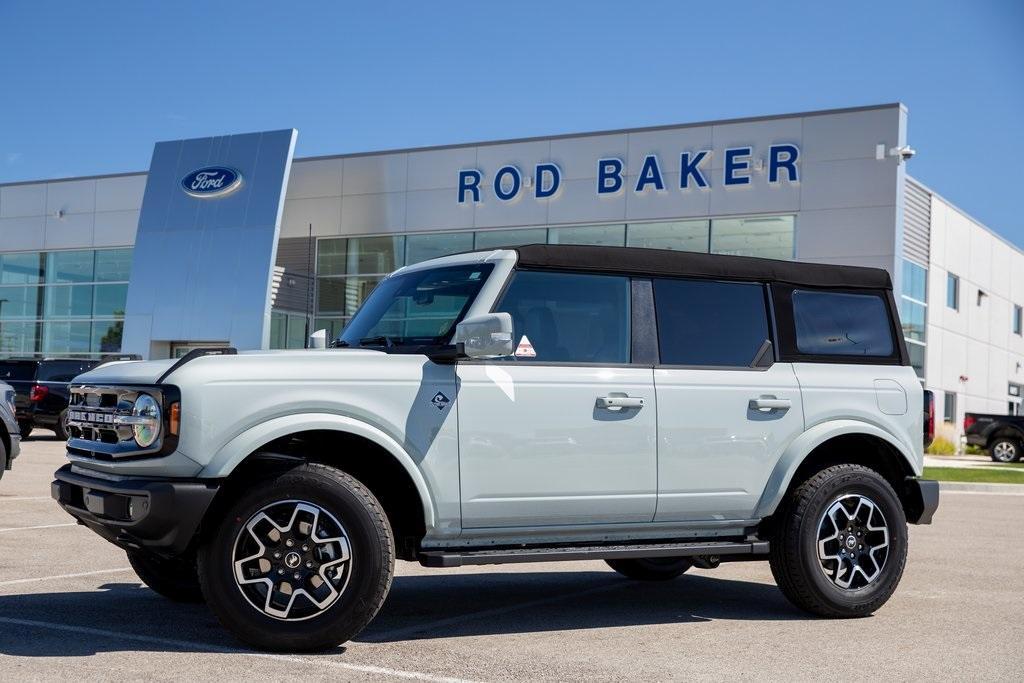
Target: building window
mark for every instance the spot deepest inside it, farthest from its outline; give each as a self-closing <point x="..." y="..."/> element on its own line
<point x="952" y="291"/>
<point x="348" y="268"/>
<point x="1018" y="314"/>
<point x="63" y="302"/>
<point x="949" y="408"/>
<point x="914" y="313"/>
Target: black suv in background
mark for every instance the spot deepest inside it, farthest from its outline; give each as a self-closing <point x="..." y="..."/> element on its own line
<point x="41" y="388"/>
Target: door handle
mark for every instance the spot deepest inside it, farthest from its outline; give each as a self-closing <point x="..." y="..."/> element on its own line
<point x="619" y="402"/>
<point x="766" y="404"/>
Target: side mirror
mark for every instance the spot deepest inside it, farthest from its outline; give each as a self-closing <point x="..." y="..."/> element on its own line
<point x="485" y="336"/>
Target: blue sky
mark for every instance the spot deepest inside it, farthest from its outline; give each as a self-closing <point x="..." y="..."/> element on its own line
<point x="88" y="87"/>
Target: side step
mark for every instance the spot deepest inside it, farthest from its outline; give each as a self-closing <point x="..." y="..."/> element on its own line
<point x="459" y="558"/>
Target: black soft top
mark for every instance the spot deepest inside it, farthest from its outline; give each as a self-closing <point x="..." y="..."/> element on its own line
<point x="665" y="262"/>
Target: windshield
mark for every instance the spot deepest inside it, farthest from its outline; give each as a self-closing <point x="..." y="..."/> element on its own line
<point x="420" y="308"/>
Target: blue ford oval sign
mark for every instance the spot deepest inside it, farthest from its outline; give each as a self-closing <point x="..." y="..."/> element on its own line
<point x="212" y="181"/>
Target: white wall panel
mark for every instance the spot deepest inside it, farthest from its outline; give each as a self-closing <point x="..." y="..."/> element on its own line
<point x="315" y="178"/>
<point x="72" y="196"/>
<point x="122" y="193"/>
<point x="22" y="234"/>
<point x="23" y="200"/>
<point x="115" y="229"/>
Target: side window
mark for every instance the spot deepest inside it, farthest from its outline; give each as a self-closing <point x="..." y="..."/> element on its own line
<point x="569" y="317"/>
<point x="710" y="323"/>
<point x="841" y="324"/>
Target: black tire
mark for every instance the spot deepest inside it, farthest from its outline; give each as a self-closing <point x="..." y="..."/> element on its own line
<point x="26" y="430"/>
<point x="1004" y="449"/>
<point x="3" y="458"/>
<point x="175" y="579"/>
<point x="369" y="571"/>
<point x="794" y="552"/>
<point x="651" y="568"/>
<point x="61" y="428"/>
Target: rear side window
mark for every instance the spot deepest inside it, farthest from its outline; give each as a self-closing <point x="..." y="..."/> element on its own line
<point x="569" y="317"/>
<point x="63" y="370"/>
<point x="15" y="371"/>
<point x="842" y="324"/>
<point x="710" y="323"/>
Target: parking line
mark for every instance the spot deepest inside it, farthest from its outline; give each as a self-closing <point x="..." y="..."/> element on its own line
<point x="41" y="526"/>
<point x="189" y="645"/>
<point x="497" y="611"/>
<point x="947" y="492"/>
<point x="63" y="576"/>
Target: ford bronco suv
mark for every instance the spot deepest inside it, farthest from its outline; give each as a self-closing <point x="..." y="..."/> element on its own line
<point x="654" y="409"/>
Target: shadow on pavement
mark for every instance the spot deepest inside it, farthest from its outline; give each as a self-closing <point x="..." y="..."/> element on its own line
<point x="421" y="606"/>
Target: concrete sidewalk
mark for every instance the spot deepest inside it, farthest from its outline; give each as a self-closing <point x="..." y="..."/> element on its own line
<point x="965" y="461"/>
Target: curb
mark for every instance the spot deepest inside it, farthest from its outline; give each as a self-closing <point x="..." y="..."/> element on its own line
<point x="1017" y="489"/>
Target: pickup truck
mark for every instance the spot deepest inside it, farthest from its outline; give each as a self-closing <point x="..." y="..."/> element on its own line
<point x="655" y="410"/>
<point x="1001" y="435"/>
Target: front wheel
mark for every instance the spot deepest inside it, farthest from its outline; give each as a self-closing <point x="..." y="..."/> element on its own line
<point x="302" y="562"/>
<point x="651" y="568"/>
<point x="1004" y="450"/>
<point x="175" y="579"/>
<point x="840" y="543"/>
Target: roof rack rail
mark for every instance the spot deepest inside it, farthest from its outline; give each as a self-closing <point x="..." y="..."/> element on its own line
<point x="198" y="353"/>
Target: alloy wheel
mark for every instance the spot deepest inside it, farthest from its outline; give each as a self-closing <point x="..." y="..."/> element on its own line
<point x="292" y="560"/>
<point x="1005" y="451"/>
<point x="853" y="541"/>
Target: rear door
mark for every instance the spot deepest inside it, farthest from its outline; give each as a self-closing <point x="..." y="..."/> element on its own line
<point x="563" y="432"/>
<point x="726" y="409"/>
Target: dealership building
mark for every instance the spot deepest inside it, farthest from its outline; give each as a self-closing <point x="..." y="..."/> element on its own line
<point x="231" y="241"/>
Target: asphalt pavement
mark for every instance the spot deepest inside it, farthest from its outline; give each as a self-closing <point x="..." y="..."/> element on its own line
<point x="71" y="608"/>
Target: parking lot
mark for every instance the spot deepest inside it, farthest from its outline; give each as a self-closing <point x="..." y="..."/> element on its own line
<point x="69" y="607"/>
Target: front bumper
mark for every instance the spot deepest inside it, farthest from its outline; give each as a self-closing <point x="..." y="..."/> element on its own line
<point x="921" y="499"/>
<point x="161" y="515"/>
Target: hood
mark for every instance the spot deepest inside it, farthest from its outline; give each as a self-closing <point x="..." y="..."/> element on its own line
<point x="253" y="362"/>
<point x="126" y="372"/>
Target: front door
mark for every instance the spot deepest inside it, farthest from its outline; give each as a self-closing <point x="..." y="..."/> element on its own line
<point x="562" y="433"/>
<point x="726" y="411"/>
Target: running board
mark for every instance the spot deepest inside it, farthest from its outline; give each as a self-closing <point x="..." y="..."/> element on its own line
<point x="459" y="558"/>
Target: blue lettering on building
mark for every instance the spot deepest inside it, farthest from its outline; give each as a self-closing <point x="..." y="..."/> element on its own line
<point x="469" y="181"/>
<point x="737" y="161"/>
<point x="609" y="176"/>
<point x="650" y="174"/>
<point x="689" y="167"/>
<point x="738" y="169"/>
<point x="548" y="180"/>
<point x="515" y="179"/>
<point x="783" y="158"/>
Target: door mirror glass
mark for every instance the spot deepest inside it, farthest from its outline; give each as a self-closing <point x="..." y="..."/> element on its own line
<point x="485" y="336"/>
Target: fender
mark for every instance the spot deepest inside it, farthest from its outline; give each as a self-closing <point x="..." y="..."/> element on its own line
<point x="802" y="446"/>
<point x="235" y="451"/>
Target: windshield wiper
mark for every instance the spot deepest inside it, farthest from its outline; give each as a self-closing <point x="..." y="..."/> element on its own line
<point x="380" y="340"/>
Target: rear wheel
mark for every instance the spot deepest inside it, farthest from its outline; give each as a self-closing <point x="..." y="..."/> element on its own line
<point x="175" y="579"/>
<point x="3" y="458"/>
<point x="841" y="543"/>
<point x="1004" y="449"/>
<point x="302" y="561"/>
<point x="61" y="428"/>
<point x="651" y="568"/>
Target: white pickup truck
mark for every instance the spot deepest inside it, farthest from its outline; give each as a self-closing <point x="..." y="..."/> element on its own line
<point x="657" y="410"/>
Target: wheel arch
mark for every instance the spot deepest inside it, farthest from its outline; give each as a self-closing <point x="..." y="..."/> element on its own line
<point x="360" y="449"/>
<point x="834" y="442"/>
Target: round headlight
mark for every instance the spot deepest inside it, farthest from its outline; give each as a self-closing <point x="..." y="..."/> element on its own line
<point x="146" y="433"/>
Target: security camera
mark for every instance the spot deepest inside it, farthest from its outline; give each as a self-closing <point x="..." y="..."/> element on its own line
<point x="904" y="152"/>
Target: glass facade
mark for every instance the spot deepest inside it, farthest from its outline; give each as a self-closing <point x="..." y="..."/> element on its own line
<point x="63" y="302"/>
<point x="914" y="312"/>
<point x="348" y="268"/>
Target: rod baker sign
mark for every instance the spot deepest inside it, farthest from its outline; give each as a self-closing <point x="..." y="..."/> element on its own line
<point x="739" y="165"/>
